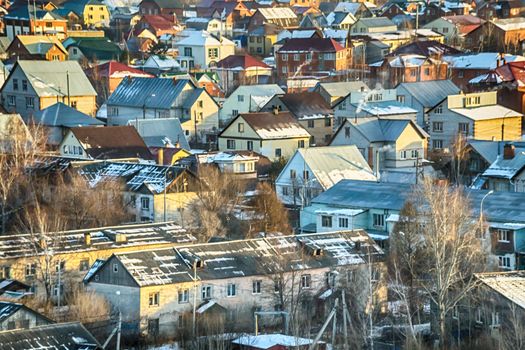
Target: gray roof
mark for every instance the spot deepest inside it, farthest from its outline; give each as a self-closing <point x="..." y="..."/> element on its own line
<point x="62" y="115"/>
<point x="377" y="22"/>
<point x="490" y="150"/>
<point x="158" y="132"/>
<point x="507" y="168"/>
<point x="49" y="78"/>
<point x="430" y="93"/>
<point x="343" y="88"/>
<point x="248" y="257"/>
<point x="384" y="130"/>
<point x="152" y="92"/>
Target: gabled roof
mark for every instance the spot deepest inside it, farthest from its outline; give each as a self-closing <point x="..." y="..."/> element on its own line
<point x="62" y="115"/>
<point x="507" y="168"/>
<point x="348" y="7"/>
<point x="158" y="93"/>
<point x="510" y="24"/>
<point x="306" y="104"/>
<point x="311" y="44"/>
<point x="277" y="12"/>
<point x="343" y="88"/>
<point x="385" y="108"/>
<point x="259" y="90"/>
<point x="486" y="112"/>
<point x="64" y="336"/>
<point x="425" y="48"/>
<point x="510" y="285"/>
<point x="100" y="48"/>
<point x="384" y="130"/>
<point x="50" y="78"/>
<point x="374" y="22"/>
<point x="112" y="142"/>
<point x="272" y="126"/>
<point x="203" y="38"/>
<point x="481" y="60"/>
<point x="430" y="93"/>
<point x="241" y="61"/>
<point x="115" y="69"/>
<point x="159" y="22"/>
<point x="163" y="63"/>
<point x="161" y="132"/>
<point x="40" y="44"/>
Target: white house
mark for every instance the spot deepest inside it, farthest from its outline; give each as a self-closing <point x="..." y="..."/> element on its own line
<point x="200" y="49"/>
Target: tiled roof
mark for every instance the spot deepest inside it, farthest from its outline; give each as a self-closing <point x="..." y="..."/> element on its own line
<point x="242" y="61"/>
<point x="311" y="44"/>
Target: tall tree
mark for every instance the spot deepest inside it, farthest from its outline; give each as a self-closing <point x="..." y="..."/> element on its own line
<point x="270" y="214"/>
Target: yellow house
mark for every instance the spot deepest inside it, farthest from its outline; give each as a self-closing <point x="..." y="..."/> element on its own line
<point x="274" y="135"/>
<point x="56" y="262"/>
<point x="94" y="13"/>
<point x="262" y="39"/>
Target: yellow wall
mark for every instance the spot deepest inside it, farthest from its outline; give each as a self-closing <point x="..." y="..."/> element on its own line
<point x="176" y="204"/>
<point x="491" y="129"/>
<point x="96" y="15"/>
<point x="85" y="104"/>
<point x="410" y="139"/>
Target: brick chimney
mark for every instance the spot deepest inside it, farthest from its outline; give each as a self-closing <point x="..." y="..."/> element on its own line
<point x="508" y="151"/>
<point x="87" y="238"/>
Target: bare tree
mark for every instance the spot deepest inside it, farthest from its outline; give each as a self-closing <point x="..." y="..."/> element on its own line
<point x="270" y="214"/>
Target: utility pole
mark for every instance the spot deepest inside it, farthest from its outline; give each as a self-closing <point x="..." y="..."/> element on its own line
<point x="325" y="325"/>
<point x="59" y="289"/>
<point x="119" y="329"/>
<point x="345" y="325"/>
<point x="194" y="296"/>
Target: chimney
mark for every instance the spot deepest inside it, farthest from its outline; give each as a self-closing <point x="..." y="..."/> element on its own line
<point x="87" y="238"/>
<point x="508" y="151"/>
<point x="362" y="89"/>
<point x="276" y="110"/>
<point x="160" y="156"/>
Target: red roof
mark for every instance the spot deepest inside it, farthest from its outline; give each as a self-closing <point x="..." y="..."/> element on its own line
<point x="513" y="71"/>
<point x="311" y="44"/>
<point x="160" y="22"/>
<point x="113" y="67"/>
<point x="244" y="61"/>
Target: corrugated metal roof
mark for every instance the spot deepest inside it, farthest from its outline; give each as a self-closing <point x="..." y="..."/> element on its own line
<point x="60" y="114"/>
<point x="165" y="129"/>
<point x="158" y="93"/>
<point x="486" y="112"/>
<point x="430" y="93"/>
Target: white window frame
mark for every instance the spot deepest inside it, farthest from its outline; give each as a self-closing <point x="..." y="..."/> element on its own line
<point x="231" y="290"/>
<point x="503" y="235"/>
<point x="306" y="281"/>
<point x="256" y="287"/>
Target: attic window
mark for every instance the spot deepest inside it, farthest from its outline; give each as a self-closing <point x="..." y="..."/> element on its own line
<point x="199" y="263"/>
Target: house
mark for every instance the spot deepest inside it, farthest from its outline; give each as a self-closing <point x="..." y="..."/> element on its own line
<point x="63" y="335"/>
<point x="427" y="48"/>
<point x="274" y="135"/>
<point x="202" y="50"/>
<point x="31" y="20"/>
<point x="311" y="56"/>
<point x="243" y="165"/>
<point x="164" y="288"/>
<point x="105" y="77"/>
<point x="93" y="49"/>
<point x="150" y="98"/>
<point x="373" y="25"/>
<point x="161" y="64"/>
<point x="236" y="70"/>
<point x="158" y="25"/>
<point x="475" y="115"/>
<point x="283" y="17"/>
<point x="246" y="99"/>
<point x="424" y="95"/>
<point x="155" y="193"/>
<point x="356" y="9"/>
<point x="209" y="81"/>
<point x="340" y="20"/>
<point x="501" y="35"/>
<point x="385" y="143"/>
<point x="465" y="67"/>
<point x="310" y="109"/>
<point x="334" y="91"/>
<point x="18" y="316"/>
<point x="13" y="289"/>
<point x="312" y="171"/>
<point x="409" y="68"/>
<point x="161" y="132"/>
<point x="34" y="85"/>
<point x="211" y="25"/>
<point x="505" y="172"/>
<point x="161" y="7"/>
<point x="57" y="119"/>
<point x="22" y="257"/>
<point x="112" y="142"/>
<point x="94" y="13"/>
<point x="274" y="341"/>
<point x="37" y="47"/>
<point x="261" y="39"/>
<point x="455" y="28"/>
<point x="500" y="9"/>
<point x="480" y="154"/>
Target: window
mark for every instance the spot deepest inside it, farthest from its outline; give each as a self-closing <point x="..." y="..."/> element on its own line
<point x="259" y="40"/>
<point x="308" y="56"/>
<point x="30" y="102"/>
<point x="5" y="272"/>
<point x="240" y="127"/>
<point x="494" y="320"/>
<point x="30" y="269"/>
<point x="461" y="74"/>
<point x="188" y="51"/>
<point x="206" y="292"/>
<point x="504" y="262"/>
<point x="427" y="71"/>
<point x="306" y="281"/>
<point x="184" y="296"/>
<point x="306" y="174"/>
<point x="300" y="143"/>
<point x="60" y="266"/>
<point x="403" y="154"/>
<point x="472" y="101"/>
<point x="200" y="104"/>
<point x="249" y="145"/>
<point x="75" y="51"/>
<point x="445" y="30"/>
<point x="278" y="152"/>
<point x="479" y="316"/>
<point x="293" y="174"/>
<point x="437" y="144"/>
<point x="343" y="222"/>
<point x="230" y="144"/>
<point x="455" y="312"/>
<point x="235" y="112"/>
<point x="232" y="290"/>
<point x="256" y="287"/>
<point x="83" y="265"/>
<point x="144" y="203"/>
<point x="115" y="268"/>
<point x="285" y="57"/>
<point x="329" y="56"/>
<point x="326" y="221"/>
<point x="328" y="122"/>
<point x="413" y="72"/>
<point x="437" y="126"/>
<point x="378" y="220"/>
<point x="24" y="85"/>
<point x="58" y="289"/>
<point x="311" y="123"/>
<point x="277" y="286"/>
<point x="284" y="69"/>
<point x="415" y="153"/>
<point x="438" y="109"/>
<point x="15" y="84"/>
<point x="347" y="132"/>
<point x="285" y="190"/>
<point x="213" y="53"/>
<point x="153" y="326"/>
<point x="11" y="100"/>
<point x="463" y="128"/>
<point x="240" y="98"/>
<point x="296" y="57"/>
<point x="503" y="236"/>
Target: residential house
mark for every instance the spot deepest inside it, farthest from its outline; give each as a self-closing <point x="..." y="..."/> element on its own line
<point x="150" y="98"/>
<point x="500" y="35"/>
<point x="312" y="171"/>
<point x="22" y="257"/>
<point x="231" y="15"/>
<point x="161" y="64"/>
<point x="262" y="38"/>
<point x="64" y="335"/>
<point x="58" y="119"/>
<point x="93" y="49"/>
<point x="465" y="67"/>
<point x="274" y="135"/>
<point x="373" y="25"/>
<point x="202" y="50"/>
<point x="272" y="341"/>
<point x="246" y="99"/>
<point x="244" y="165"/>
<point x="30" y="20"/>
<point x="427" y="48"/>
<point x="213" y="26"/>
<point x="158" y="25"/>
<point x="476" y="115"/>
<point x="94" y="13"/>
<point x="424" y="95"/>
<point x="311" y="110"/>
<point x="340" y="20"/>
<point x="19" y="316"/>
<point x="392" y="147"/>
<point x="37" y="47"/>
<point x="313" y="20"/>
<point x="356" y="9"/>
<point x="311" y="56"/>
<point x="154" y="192"/>
<point x="161" y="133"/>
<point x="34" y="85"/>
<point x="480" y="154"/>
<point x="334" y="91"/>
<point x="236" y="70"/>
<point x="500" y="9"/>
<point x="505" y="173"/>
<point x="209" y="81"/>
<point x="232" y="278"/>
<point x="161" y="7"/>
<point x="455" y="28"/>
<point x="283" y="17"/>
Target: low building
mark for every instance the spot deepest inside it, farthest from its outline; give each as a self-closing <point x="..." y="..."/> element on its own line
<point x="506" y="172"/>
<point x="455" y="28"/>
<point x="373" y="25"/>
<point x="32" y="20"/>
<point x="333" y="92"/>
<point x="283" y="17"/>
<point x="261" y="39"/>
<point x="244" y="69"/>
<point x="500" y="35"/>
<point x="275" y="135"/>
<point x="37" y="47"/>
<point x="202" y="50"/>
<point x="92" y="49"/>
<point x="94" y="13"/>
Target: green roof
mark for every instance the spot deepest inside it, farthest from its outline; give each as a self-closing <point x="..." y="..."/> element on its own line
<point x="99" y="48"/>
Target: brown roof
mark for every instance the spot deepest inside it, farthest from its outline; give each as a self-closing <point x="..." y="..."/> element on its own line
<point x="311" y="44"/>
<point x="244" y="61"/>
<point x="112" y="142"/>
<point x="306" y="104"/>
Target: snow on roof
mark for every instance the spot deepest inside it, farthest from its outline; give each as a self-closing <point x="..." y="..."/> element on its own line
<point x="271" y="126"/>
<point x="486" y="112"/>
<point x="507" y="168"/>
<point x="277" y="12"/>
<point x="202" y="38"/>
<point x="507" y="24"/>
<point x="510" y="285"/>
<point x="407" y="61"/>
<point x="507" y="225"/>
<point x="382" y="108"/>
<point x="206" y="306"/>
<point x="267" y="341"/>
<point x="481" y="60"/>
<point x="345" y="212"/>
